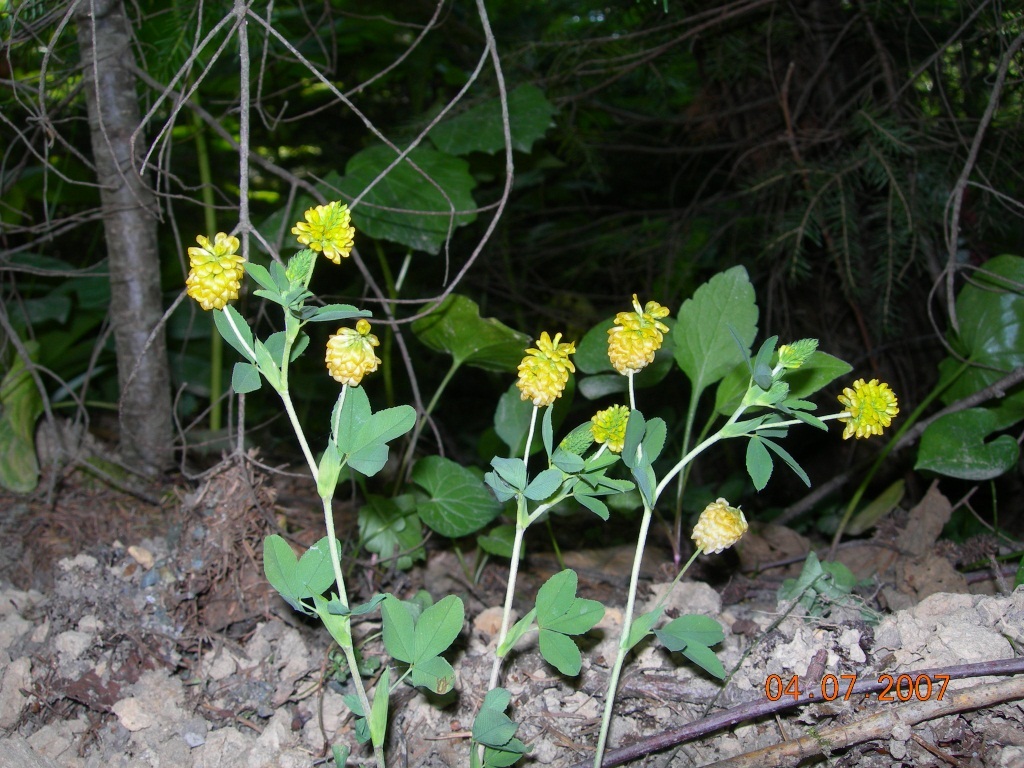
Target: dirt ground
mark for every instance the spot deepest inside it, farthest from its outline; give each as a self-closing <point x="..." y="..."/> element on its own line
<point x="136" y="629"/>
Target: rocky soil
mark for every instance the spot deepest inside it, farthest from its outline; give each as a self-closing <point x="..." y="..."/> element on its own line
<point x="170" y="651"/>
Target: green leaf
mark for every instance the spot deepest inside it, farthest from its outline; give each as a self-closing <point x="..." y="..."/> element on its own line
<point x="338" y="625"/>
<point x="642" y="626"/>
<point x="596" y="506"/>
<point x="820" y="370"/>
<point x="492" y="727"/>
<point x="338" y="312"/>
<point x="560" y="652"/>
<point x="459" y="503"/>
<point x="268" y="366"/>
<point x="279" y="566"/>
<point x="512" y="471"/>
<point x="636" y="428"/>
<point x="315" y="570"/>
<point x="499" y="541"/>
<point x="362" y="436"/>
<point x="520" y="628"/>
<point x="328" y="471"/>
<point x="580" y="617"/>
<point x="235" y="331"/>
<point x="340" y="753"/>
<point x="555" y="596"/>
<point x="705" y="349"/>
<point x="512" y="419"/>
<point x="456" y="328"/>
<point x="782" y="453"/>
<point x="398" y="629"/>
<point x="260" y="275"/>
<point x="759" y="463"/>
<point x="404" y="206"/>
<point x="435" y="674"/>
<point x="954" y="445"/>
<point x="20" y="408"/>
<point x="654" y="439"/>
<point x="1019" y="578"/>
<point x="706" y="659"/>
<point x="544" y="485"/>
<point x="438" y="626"/>
<point x="879" y="507"/>
<point x="389" y="527"/>
<point x="379" y="709"/>
<point x="480" y="128"/>
<point x="692" y="628"/>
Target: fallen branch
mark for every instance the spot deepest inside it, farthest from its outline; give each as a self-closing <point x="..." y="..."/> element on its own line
<point x="762" y="707"/>
<point x="880" y="725"/>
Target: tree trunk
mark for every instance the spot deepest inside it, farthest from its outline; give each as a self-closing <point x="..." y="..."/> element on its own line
<point x="130" y="224"/>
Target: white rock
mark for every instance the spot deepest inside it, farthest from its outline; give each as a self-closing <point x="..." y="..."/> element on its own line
<point x="17" y="676"/>
<point x="132" y="714"/>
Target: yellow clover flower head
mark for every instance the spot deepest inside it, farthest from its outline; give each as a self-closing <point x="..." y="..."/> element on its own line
<point x="350" y="354"/>
<point x="636" y="336"/>
<point x="328" y="230"/>
<point x="792" y="356"/>
<point x="719" y="527"/>
<point x="545" y="370"/>
<point x="869" y="408"/>
<point x="609" y="427"/>
<point x="215" y="271"/>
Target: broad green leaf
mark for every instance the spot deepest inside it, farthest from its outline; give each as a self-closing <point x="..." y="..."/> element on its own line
<point x="512" y="471"/>
<point x="570" y="463"/>
<point x="954" y="445"/>
<point x="340" y="753"/>
<point x="368" y="450"/>
<point x="20" y="408"/>
<point x="260" y="275"/>
<point x="706" y="659"/>
<point x="1019" y="578"/>
<point x="379" y="709"/>
<point x="245" y="378"/>
<point x="512" y="419"/>
<point x="560" y="652"/>
<point x="731" y="389"/>
<point x="654" y="439"/>
<point x="315" y="570"/>
<point x="692" y="628"/>
<point x="705" y="349"/>
<point x="990" y="312"/>
<point x="596" y="506"/>
<point x="820" y="370"/>
<point x="604" y="385"/>
<point x="417" y="203"/>
<point x="280" y="566"/>
<point x="235" y="331"/>
<point x="759" y="463"/>
<point x="555" y="596"/>
<point x="456" y="328"/>
<point x="492" y="727"/>
<point x="390" y="528"/>
<point x="544" y="485"/>
<point x="580" y="617"/>
<point x="480" y="128"/>
<point x="433" y="673"/>
<point x="499" y="541"/>
<point x="458" y="502"/>
<point x="268" y="366"/>
<point x="636" y="428"/>
<point x="438" y="626"/>
<point x="398" y="629"/>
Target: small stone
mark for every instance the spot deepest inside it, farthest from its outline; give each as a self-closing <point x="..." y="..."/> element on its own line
<point x="488" y="622"/>
<point x="132" y="714"/>
<point x="91" y="624"/>
<point x="72" y="644"/>
<point x="142" y="556"/>
<point x="194" y="731"/>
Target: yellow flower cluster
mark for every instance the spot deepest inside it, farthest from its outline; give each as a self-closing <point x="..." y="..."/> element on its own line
<point x="215" y="271"/>
<point x="350" y="354"/>
<point x="609" y="427"/>
<point x="637" y="335"/>
<point x="328" y="230"/>
<point x="545" y="370"/>
<point x="870" y="408"/>
<point x="719" y="527"/>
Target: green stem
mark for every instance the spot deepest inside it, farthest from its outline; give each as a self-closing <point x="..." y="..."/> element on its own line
<point x="624" y="647"/>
